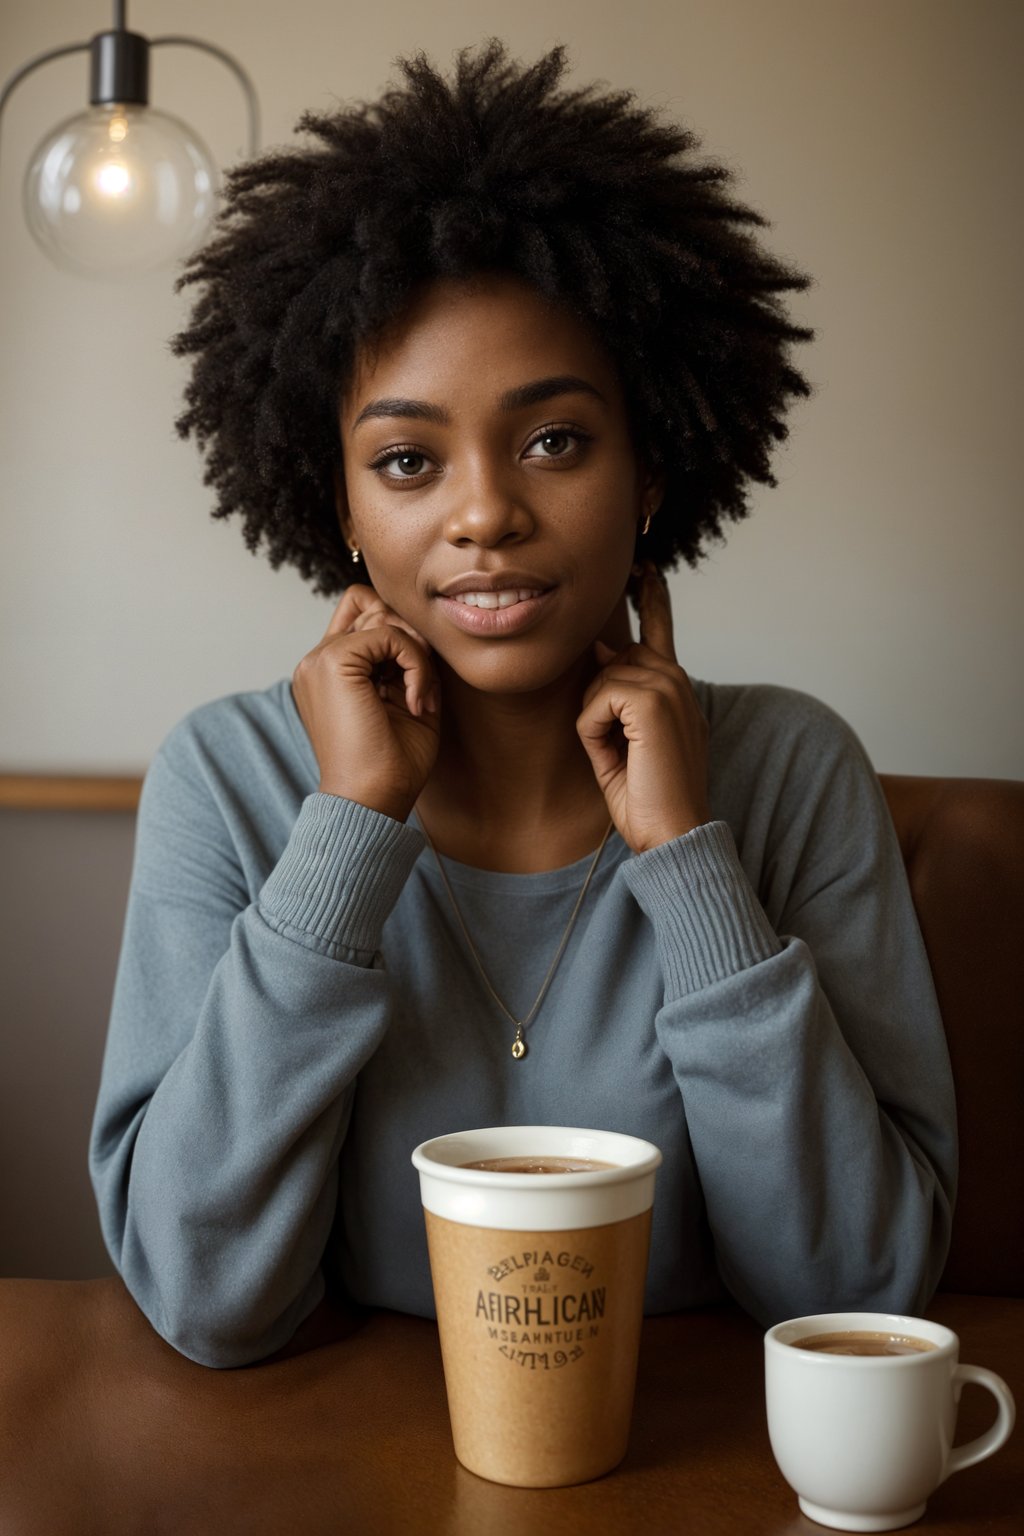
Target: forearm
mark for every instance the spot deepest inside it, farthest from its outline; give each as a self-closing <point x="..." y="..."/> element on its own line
<point x="818" y="1197"/>
<point x="231" y="1178"/>
<point x="216" y="1166"/>
<point x="826" y="1173"/>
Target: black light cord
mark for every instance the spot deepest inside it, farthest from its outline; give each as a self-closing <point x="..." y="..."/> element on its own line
<point x="140" y="47"/>
<point x="42" y="58"/>
<point x="244" y="80"/>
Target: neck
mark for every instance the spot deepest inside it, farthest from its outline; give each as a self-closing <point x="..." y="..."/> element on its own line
<point x="512" y="787"/>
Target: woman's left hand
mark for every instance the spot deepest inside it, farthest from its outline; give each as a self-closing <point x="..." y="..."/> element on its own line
<point x="645" y="733"/>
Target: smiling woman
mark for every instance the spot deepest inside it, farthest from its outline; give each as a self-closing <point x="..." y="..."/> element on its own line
<point x="494" y="493"/>
<point x="485" y="363"/>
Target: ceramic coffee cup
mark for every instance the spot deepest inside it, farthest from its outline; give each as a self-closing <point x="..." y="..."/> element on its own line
<point x="864" y="1439"/>
<point x="539" y="1283"/>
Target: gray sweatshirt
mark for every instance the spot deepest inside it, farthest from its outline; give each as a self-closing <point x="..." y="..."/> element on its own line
<point x="296" y="1009"/>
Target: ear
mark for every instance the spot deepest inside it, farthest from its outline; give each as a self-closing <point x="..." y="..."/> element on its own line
<point x="341" y="507"/>
<point x="650" y="492"/>
<point x="650" y="489"/>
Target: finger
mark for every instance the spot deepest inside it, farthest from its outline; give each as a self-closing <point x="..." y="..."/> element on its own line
<point x="637" y="667"/>
<point x="379" y="613"/>
<point x="636" y="679"/>
<point x="356" y="599"/>
<point x="600" y="730"/>
<point x="362" y="608"/>
<point x="614" y="709"/>
<point x="374" y="650"/>
<point x="655" y="610"/>
<point x="605" y="658"/>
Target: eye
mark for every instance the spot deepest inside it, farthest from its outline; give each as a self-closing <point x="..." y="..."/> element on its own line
<point x="558" y="443"/>
<point x="407" y="464"/>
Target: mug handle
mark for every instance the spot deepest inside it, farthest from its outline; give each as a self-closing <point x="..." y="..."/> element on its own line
<point x="992" y="1439"/>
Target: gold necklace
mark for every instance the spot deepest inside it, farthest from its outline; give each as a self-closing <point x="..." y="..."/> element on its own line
<point x="519" y="1046"/>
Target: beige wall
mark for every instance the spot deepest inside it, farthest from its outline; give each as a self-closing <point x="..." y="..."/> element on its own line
<point x="882" y="137"/>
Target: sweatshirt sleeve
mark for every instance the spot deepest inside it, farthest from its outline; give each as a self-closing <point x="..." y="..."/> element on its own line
<point x="807" y="1047"/>
<point x="240" y="1021"/>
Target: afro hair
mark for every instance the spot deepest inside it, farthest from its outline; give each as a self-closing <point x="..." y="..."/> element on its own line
<point x="584" y="195"/>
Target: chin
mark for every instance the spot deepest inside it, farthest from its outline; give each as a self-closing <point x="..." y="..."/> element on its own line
<point x="509" y="670"/>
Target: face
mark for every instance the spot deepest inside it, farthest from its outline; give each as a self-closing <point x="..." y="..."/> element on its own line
<point x="490" y="481"/>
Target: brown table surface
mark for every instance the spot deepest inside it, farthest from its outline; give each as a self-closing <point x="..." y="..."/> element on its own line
<point x="105" y="1430"/>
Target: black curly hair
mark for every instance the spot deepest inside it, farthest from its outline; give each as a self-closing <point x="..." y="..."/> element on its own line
<point x="585" y="196"/>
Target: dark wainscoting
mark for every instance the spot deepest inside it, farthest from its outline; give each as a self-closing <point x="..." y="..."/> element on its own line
<point x="65" y="862"/>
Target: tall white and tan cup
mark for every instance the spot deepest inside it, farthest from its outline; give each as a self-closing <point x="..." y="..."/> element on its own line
<point x="539" y="1284"/>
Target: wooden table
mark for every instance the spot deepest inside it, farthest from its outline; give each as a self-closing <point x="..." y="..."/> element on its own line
<point x="105" y="1431"/>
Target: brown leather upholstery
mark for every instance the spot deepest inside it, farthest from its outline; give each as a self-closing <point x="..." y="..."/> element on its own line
<point x="963" y="845"/>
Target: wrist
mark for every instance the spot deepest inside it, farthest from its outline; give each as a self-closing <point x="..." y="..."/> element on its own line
<point x="397" y="807"/>
<point x="667" y="831"/>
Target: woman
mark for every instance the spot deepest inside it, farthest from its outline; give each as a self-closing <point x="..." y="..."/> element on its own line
<point x="488" y="358"/>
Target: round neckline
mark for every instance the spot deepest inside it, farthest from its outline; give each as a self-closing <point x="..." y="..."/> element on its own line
<point x="471" y="876"/>
<point x="536" y="882"/>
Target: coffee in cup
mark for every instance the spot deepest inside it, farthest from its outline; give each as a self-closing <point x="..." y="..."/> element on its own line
<point x="538" y="1163"/>
<point x="863" y="1341"/>
<point x="538" y="1240"/>
<point x="862" y="1414"/>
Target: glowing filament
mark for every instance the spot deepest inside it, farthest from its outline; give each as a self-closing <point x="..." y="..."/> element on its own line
<point x="113" y="179"/>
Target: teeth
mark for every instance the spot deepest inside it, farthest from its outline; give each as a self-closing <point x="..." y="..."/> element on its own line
<point x="506" y="599"/>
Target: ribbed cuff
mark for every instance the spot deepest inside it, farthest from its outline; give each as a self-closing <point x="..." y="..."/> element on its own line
<point x="707" y="920"/>
<point x="340" y="874"/>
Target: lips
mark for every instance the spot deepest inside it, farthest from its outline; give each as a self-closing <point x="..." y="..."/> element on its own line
<point x="493" y="582"/>
<point x="494" y="606"/>
<point x="507" y="597"/>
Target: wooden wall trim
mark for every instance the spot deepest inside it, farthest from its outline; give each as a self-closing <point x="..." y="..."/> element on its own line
<point x="68" y="792"/>
<point x="95" y="792"/>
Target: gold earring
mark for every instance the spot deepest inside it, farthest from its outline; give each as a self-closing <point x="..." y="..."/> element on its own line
<point x="356" y="554"/>
<point x="645" y="530"/>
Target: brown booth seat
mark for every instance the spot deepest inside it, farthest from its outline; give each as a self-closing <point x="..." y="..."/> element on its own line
<point x="963" y="845"/>
<point x="106" y="1431"/>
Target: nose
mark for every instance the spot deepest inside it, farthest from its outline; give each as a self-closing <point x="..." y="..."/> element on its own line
<point x="487" y="511"/>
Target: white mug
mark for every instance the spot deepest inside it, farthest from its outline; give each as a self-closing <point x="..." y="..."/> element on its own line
<point x="863" y="1440"/>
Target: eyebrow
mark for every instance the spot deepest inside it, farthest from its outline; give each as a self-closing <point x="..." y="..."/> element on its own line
<point x="512" y="400"/>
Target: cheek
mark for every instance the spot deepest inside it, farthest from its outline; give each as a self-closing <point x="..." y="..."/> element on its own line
<point x="383" y="535"/>
<point x="393" y="573"/>
<point x="605" y="528"/>
<point x="395" y="560"/>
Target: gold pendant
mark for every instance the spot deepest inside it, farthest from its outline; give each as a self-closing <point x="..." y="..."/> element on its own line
<point x="519" y="1044"/>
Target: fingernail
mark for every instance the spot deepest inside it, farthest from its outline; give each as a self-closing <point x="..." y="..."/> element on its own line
<point x="431" y="701"/>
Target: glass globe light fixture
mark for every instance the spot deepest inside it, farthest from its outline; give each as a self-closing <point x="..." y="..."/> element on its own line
<point x="119" y="189"/>
<point x="122" y="188"/>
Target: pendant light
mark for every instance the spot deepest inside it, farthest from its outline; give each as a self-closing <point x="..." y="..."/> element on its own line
<point x="122" y="188"/>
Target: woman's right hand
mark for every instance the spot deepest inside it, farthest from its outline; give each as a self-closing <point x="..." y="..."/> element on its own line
<point x="369" y="699"/>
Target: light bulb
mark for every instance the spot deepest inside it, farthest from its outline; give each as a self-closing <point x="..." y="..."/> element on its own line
<point x="120" y="190"/>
